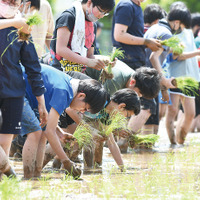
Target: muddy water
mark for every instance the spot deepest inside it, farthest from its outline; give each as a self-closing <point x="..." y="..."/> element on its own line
<point x="165" y="170"/>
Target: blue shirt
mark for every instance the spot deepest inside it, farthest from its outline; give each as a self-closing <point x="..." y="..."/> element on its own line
<point x="59" y="93"/>
<point x="12" y="52"/>
<point x="131" y="15"/>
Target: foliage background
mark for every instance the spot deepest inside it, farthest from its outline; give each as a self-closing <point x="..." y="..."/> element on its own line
<point x="193" y="5"/>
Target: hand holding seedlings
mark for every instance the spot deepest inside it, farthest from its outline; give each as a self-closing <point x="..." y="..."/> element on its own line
<point x="95" y="64"/>
<point x="124" y="133"/>
<point x="66" y="137"/>
<point x="152" y="44"/>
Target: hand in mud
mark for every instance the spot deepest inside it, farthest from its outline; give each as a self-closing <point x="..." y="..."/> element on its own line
<point x="99" y="138"/>
<point x="152" y="44"/>
<point x="66" y="137"/>
<point x="124" y="133"/>
<point x="95" y="64"/>
<point x="72" y="169"/>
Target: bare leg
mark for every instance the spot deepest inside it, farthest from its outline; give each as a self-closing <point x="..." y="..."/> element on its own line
<point x="185" y="121"/>
<point x="162" y="110"/>
<point x="29" y="153"/>
<point x="135" y="124"/>
<point x="170" y="117"/>
<point x="98" y="154"/>
<point x="5" y="143"/>
<point x="40" y="155"/>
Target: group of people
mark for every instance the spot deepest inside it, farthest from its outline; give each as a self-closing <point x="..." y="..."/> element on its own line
<point x="43" y="98"/>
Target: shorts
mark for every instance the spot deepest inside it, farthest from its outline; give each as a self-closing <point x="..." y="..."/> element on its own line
<point x="65" y="120"/>
<point x="30" y="122"/>
<point x="189" y="94"/>
<point x="164" y="102"/>
<point x="148" y="104"/>
<point x="77" y="75"/>
<point x="154" y="109"/>
<point x="11" y="109"/>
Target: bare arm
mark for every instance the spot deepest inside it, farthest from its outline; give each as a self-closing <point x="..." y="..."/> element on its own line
<point x="51" y="135"/>
<point x="121" y="35"/>
<point x="19" y="23"/>
<point x="187" y="55"/>
<point x="42" y="110"/>
<point x="114" y="149"/>
<point x="63" y="35"/>
<point x="154" y="59"/>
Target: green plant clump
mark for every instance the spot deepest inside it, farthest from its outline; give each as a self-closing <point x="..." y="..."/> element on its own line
<point x="116" y="121"/>
<point x="137" y="139"/>
<point x="107" y="72"/>
<point x="83" y="135"/>
<point x="175" y="44"/>
<point x="186" y="84"/>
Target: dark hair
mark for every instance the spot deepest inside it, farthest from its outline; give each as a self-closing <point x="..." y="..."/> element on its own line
<point x="129" y="97"/>
<point x="177" y="3"/>
<point x="181" y="13"/>
<point x="95" y="93"/>
<point x="195" y="19"/>
<point x="153" y="12"/>
<point x="35" y="3"/>
<point x="147" y="81"/>
<point x="105" y="5"/>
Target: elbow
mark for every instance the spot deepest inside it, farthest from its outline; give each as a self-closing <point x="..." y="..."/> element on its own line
<point x="117" y="37"/>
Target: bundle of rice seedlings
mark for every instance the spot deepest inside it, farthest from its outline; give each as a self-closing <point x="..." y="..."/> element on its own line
<point x="175" y="44"/>
<point x="82" y="136"/>
<point x="116" y="121"/>
<point x="138" y="139"/>
<point x="186" y="84"/>
<point x="35" y="19"/>
<point x="107" y="72"/>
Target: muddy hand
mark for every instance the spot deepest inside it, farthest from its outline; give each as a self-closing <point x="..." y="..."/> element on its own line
<point x="152" y="44"/>
<point x="66" y="137"/>
<point x="165" y="94"/>
<point x="72" y="169"/>
<point x="96" y="64"/>
<point x="124" y="133"/>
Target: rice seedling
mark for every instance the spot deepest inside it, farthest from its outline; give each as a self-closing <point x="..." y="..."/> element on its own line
<point x="186" y="84"/>
<point x="115" y="121"/>
<point x="138" y="139"/>
<point x="35" y="19"/>
<point x="175" y="44"/>
<point x="107" y="72"/>
<point x="82" y="136"/>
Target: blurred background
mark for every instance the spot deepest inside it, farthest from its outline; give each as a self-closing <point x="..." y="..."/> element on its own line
<point x="104" y="40"/>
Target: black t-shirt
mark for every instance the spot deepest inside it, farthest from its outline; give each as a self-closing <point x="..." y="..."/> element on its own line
<point x="67" y="19"/>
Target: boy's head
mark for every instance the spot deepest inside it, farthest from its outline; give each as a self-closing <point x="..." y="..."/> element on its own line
<point x="146" y="82"/>
<point x="195" y="23"/>
<point x="127" y="102"/>
<point x="91" y="96"/>
<point x="179" y="16"/>
<point x="96" y="9"/>
<point x="152" y="13"/>
<point x="9" y="8"/>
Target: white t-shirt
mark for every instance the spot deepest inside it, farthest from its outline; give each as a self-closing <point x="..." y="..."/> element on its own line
<point x="45" y="30"/>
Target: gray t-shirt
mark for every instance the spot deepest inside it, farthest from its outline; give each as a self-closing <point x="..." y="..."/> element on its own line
<point x="160" y="31"/>
<point x="188" y="67"/>
<point x="122" y="73"/>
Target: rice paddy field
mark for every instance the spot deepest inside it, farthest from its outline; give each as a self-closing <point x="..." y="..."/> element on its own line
<point x="165" y="172"/>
